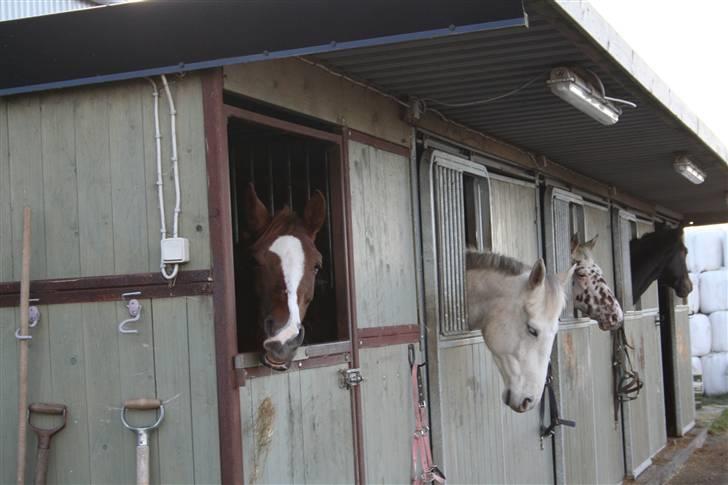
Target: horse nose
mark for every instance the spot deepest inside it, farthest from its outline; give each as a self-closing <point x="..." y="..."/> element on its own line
<point x="507" y="397"/>
<point x="526" y="402"/>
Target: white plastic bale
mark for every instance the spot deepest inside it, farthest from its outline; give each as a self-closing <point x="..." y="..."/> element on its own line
<point x="697" y="366"/>
<point x="714" y="291"/>
<point x="694" y="296"/>
<point x="700" y="335"/>
<point x="691" y="260"/>
<point x="715" y="380"/>
<point x="719" y="331"/>
<point x="707" y="249"/>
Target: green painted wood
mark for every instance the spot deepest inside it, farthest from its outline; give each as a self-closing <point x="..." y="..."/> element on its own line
<point x="272" y="426"/>
<point x="387" y="411"/>
<point x="6" y="216"/>
<point x="636" y="413"/>
<point x="203" y="390"/>
<point x="382" y="237"/>
<point x="128" y="186"/>
<point x="171" y="365"/>
<point x="576" y="376"/>
<point x="67" y="358"/>
<point x="60" y="197"/>
<point x="110" y="448"/>
<point x="95" y="215"/>
<point x="9" y="396"/>
<point x="681" y="355"/>
<point x="26" y="180"/>
<point x="327" y="427"/>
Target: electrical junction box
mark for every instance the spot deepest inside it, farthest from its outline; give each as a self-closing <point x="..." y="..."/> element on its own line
<point x="175" y="250"/>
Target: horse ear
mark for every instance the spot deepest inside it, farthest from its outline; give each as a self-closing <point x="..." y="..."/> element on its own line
<point x="538" y="273"/>
<point x="574" y="241"/>
<point x="315" y="213"/>
<point x="257" y="216"/>
<point x="593" y="242"/>
<point x="566" y="278"/>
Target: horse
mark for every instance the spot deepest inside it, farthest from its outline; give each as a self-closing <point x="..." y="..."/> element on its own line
<point x="517" y="309"/>
<point x="285" y="261"/>
<point x="659" y="254"/>
<point x="592" y="294"/>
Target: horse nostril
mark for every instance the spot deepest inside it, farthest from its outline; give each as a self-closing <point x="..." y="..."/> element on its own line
<point x="526" y="402"/>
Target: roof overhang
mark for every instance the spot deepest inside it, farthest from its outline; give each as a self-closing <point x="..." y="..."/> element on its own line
<point x="455" y="51"/>
<point x="132" y="40"/>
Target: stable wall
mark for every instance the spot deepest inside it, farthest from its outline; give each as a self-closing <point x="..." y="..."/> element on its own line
<point x="84" y="161"/>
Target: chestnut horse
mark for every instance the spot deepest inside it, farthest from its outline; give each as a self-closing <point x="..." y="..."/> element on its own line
<point x="285" y="262"/>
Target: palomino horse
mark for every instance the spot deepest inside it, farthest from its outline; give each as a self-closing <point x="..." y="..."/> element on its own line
<point x="592" y="294"/>
<point x="517" y="309"/>
<point x="286" y="262"/>
<point x="660" y="254"/>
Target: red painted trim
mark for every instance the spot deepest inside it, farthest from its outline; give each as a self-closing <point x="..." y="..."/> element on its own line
<point x="358" y="427"/>
<point x="108" y="288"/>
<point x="379" y="143"/>
<point x="391" y="335"/>
<point x="248" y="373"/>
<point x="244" y="114"/>
<point x="221" y="240"/>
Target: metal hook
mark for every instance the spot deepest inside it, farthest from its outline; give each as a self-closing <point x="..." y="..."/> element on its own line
<point x="135" y="311"/>
<point x="33" y="318"/>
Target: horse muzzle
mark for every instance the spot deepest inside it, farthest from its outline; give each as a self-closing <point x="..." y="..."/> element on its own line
<point x="279" y="355"/>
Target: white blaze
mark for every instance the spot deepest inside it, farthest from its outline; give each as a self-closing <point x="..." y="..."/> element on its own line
<point x="290" y="251"/>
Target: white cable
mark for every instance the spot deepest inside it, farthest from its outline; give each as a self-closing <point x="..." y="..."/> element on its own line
<point x="622" y="101"/>
<point x="158" y="146"/>
<point x="175" y="167"/>
<point x="484" y="101"/>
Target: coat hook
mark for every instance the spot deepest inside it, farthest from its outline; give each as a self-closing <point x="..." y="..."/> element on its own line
<point x="135" y="312"/>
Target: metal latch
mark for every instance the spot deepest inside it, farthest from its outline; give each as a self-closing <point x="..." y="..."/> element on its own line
<point x="350" y="378"/>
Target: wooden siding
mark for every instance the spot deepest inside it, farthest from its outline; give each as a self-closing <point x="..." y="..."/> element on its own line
<point x="78" y="358"/>
<point x="297" y="428"/>
<point x="479" y="431"/>
<point x="382" y="237"/>
<point x="685" y="399"/>
<point x="593" y="450"/>
<point x="84" y="161"/>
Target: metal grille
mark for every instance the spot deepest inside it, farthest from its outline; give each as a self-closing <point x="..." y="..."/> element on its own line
<point x="624" y="225"/>
<point x="450" y="216"/>
<point x="568" y="214"/>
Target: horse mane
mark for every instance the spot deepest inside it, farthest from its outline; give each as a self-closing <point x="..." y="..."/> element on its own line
<point x="495" y="262"/>
<point x="648" y="256"/>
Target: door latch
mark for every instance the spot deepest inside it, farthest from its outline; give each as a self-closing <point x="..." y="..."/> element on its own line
<point x="350" y="378"/>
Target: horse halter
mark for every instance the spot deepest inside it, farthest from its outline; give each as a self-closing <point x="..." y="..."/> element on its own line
<point x="627" y="382"/>
<point x="555" y="419"/>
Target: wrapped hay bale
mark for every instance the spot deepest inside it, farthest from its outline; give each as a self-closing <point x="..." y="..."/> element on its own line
<point x="707" y="249"/>
<point x="691" y="260"/>
<point x="714" y="291"/>
<point x="719" y="331"/>
<point x="694" y="296"/>
<point x="697" y="366"/>
<point x="715" y="380"/>
<point x="700" y="337"/>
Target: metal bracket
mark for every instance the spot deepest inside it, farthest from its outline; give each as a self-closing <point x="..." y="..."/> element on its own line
<point x="350" y="378"/>
<point x="135" y="312"/>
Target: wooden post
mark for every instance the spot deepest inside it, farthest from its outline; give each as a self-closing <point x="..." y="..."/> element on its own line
<point x="23" y="351"/>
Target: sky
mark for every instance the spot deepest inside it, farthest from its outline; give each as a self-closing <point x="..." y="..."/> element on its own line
<point x="686" y="43"/>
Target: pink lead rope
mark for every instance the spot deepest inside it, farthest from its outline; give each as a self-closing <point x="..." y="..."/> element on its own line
<point x="421" y="439"/>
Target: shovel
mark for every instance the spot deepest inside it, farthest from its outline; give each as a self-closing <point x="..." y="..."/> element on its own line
<point x="142" y="434"/>
<point x="44" y="436"/>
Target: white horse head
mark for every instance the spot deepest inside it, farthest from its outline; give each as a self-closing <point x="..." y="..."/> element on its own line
<point x="517" y="308"/>
<point x="592" y="294"/>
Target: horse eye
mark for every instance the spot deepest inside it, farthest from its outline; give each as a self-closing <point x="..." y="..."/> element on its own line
<point x="532" y="330"/>
<point x="317" y="268"/>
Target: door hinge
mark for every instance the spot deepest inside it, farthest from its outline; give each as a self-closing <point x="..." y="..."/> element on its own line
<point x="350" y="378"/>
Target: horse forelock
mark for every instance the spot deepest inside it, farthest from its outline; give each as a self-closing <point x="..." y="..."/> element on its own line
<point x="284" y="222"/>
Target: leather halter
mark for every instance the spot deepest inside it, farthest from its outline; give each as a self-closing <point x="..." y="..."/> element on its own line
<point x="627" y="382"/>
<point x="555" y="419"/>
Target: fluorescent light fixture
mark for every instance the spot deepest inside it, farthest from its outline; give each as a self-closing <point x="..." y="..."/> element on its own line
<point x="565" y="84"/>
<point x="688" y="169"/>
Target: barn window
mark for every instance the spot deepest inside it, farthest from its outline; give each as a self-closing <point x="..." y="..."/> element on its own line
<point x="567" y="219"/>
<point x="286" y="167"/>
<point x="461" y="200"/>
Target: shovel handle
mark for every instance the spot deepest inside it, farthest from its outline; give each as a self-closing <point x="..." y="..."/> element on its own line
<point x="47" y="408"/>
<point x="142" y="403"/>
<point x="41" y="466"/>
<point x="142" y="465"/>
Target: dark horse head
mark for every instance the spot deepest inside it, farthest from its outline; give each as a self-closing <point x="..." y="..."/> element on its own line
<point x="285" y="262"/>
<point x="660" y="254"/>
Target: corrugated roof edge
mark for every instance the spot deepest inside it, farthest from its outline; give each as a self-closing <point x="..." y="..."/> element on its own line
<point x="596" y="27"/>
